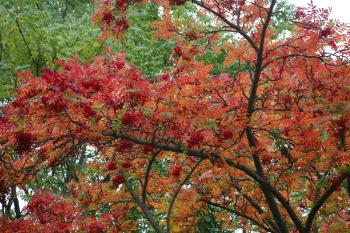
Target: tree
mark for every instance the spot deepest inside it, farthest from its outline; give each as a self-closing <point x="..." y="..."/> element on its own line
<point x="59" y="30"/>
<point x="262" y="147"/>
<point x="35" y="33"/>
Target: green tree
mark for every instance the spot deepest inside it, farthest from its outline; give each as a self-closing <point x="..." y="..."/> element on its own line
<point x="35" y="33"/>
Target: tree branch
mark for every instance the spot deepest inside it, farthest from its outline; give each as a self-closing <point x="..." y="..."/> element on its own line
<point x="24" y="39"/>
<point x="249" y="199"/>
<point x="250" y="135"/>
<point x="16" y="203"/>
<point x="266" y="185"/>
<point x="322" y="200"/>
<point x="235" y="27"/>
<point x="240" y="214"/>
<point x="148" y="170"/>
<point x="204" y="155"/>
<point x="145" y="210"/>
<point x="172" y="201"/>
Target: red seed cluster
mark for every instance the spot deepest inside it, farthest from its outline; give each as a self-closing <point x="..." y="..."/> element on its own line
<point x="177" y="2"/>
<point x="108" y="17"/>
<point x="226" y="134"/>
<point x="24" y="142"/>
<point x="111" y="166"/>
<point x="266" y="160"/>
<point x="126" y="165"/>
<point x="117" y="180"/>
<point x="300" y="13"/>
<point x="176" y="170"/>
<point x="125" y="145"/>
<point x="121" y="4"/>
<point x="178" y="51"/>
<point x="148" y="149"/>
<point x="132" y="119"/>
<point x="324" y="33"/>
<point x="191" y="159"/>
<point x="191" y="35"/>
<point x="121" y="24"/>
<point x="195" y="139"/>
<point x="88" y="111"/>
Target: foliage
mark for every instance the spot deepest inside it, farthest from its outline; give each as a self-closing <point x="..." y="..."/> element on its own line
<point x="260" y="147"/>
<point x="34" y="34"/>
<point x="59" y="30"/>
<point x="142" y="50"/>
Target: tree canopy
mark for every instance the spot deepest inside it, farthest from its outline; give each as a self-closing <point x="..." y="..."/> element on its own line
<point x="194" y="116"/>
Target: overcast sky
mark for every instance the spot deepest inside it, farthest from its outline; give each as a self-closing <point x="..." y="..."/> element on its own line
<point x="340" y="8"/>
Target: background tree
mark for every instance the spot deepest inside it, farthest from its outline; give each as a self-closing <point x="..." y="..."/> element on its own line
<point x="34" y="34"/>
